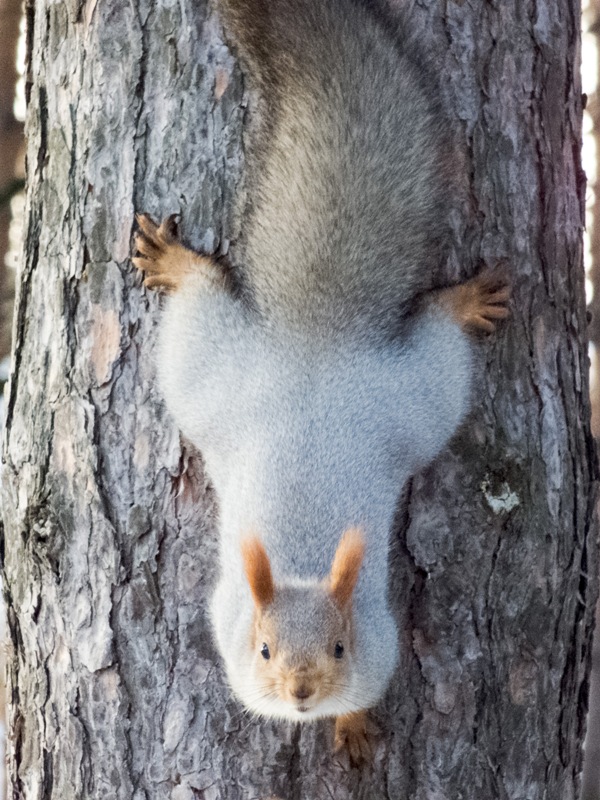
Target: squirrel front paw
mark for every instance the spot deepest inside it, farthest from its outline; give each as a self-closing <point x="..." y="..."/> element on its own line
<point x="479" y="303"/>
<point x="165" y="261"/>
<point x="354" y="734"/>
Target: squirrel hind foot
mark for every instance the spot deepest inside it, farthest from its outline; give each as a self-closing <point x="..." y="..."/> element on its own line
<point x="166" y="262"/>
<point x="479" y="303"/>
<point x="354" y="734"/>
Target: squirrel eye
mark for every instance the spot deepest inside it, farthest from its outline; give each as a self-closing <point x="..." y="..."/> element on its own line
<point x="264" y="651"/>
<point x="339" y="650"/>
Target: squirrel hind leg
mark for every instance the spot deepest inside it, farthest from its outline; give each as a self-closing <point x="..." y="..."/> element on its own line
<point x="166" y="262"/>
<point x="354" y="734"/>
<point x="479" y="303"/>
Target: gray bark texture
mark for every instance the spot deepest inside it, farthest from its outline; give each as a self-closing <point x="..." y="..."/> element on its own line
<point x="117" y="691"/>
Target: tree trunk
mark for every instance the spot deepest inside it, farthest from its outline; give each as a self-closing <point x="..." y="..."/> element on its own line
<point x="117" y="691"/>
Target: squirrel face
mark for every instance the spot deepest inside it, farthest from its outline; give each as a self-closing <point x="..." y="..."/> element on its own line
<point x="302" y="639"/>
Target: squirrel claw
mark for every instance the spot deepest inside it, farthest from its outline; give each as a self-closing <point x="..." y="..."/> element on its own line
<point x="165" y="261"/>
<point x="147" y="225"/>
<point x="162" y="258"/>
<point x="353" y="734"/>
<point x="171" y="225"/>
<point x="479" y="302"/>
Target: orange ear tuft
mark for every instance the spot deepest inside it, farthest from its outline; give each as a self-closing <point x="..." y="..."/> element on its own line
<point x="258" y="571"/>
<point x="346" y="566"/>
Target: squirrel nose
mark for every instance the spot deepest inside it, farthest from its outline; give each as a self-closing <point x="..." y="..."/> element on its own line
<point x="301" y="692"/>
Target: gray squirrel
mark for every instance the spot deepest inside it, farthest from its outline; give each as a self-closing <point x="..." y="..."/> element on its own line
<point x="319" y="375"/>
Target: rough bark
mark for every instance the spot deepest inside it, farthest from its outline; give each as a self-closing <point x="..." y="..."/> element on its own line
<point x="117" y="691"/>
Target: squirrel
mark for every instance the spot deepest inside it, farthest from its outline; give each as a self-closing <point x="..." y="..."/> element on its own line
<point x="319" y="375"/>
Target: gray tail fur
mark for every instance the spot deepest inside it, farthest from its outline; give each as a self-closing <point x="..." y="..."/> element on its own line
<point x="349" y="175"/>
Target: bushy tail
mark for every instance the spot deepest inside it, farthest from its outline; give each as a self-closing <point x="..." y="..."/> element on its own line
<point x="349" y="187"/>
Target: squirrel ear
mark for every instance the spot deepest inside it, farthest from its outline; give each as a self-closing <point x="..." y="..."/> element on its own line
<point x="258" y="571"/>
<point x="346" y="565"/>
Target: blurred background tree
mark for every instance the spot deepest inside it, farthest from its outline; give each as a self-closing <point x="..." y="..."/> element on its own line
<point x="12" y="152"/>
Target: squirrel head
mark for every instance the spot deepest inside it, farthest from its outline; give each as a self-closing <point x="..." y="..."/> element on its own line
<point x="302" y="638"/>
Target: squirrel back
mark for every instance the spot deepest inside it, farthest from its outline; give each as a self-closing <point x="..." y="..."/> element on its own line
<point x="349" y="178"/>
